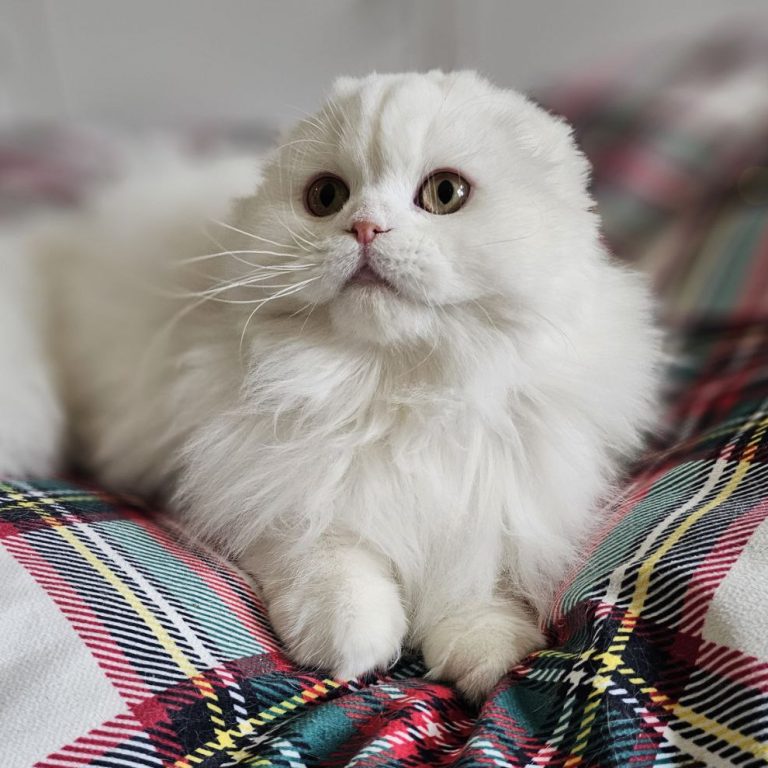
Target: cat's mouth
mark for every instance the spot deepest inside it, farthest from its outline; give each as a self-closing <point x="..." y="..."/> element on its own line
<point x="367" y="276"/>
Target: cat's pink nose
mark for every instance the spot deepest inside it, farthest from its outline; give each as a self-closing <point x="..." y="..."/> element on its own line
<point x="365" y="231"/>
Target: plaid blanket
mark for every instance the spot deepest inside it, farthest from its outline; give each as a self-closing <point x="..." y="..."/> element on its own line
<point x="125" y="645"/>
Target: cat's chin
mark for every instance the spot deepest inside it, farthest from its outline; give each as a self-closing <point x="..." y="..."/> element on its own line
<point x="378" y="315"/>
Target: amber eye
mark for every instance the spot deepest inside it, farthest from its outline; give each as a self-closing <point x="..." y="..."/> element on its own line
<point x="326" y="195"/>
<point x="443" y="192"/>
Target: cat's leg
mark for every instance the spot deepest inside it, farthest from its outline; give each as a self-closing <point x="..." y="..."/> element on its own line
<point x="477" y="643"/>
<point x="336" y="607"/>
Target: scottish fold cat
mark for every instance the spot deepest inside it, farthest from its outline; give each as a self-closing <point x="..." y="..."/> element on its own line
<point x="393" y="378"/>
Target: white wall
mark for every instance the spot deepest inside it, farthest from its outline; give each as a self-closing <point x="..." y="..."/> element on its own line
<point x="529" y="43"/>
<point x="167" y="61"/>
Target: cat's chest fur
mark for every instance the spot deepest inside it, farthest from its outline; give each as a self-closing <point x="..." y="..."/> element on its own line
<point x="417" y="459"/>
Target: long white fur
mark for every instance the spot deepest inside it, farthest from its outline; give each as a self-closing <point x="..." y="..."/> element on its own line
<point x="418" y="466"/>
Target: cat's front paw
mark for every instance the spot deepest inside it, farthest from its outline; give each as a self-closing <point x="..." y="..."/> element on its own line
<point x="346" y="620"/>
<point x="474" y="648"/>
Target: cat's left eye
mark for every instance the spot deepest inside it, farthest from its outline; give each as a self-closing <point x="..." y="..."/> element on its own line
<point x="326" y="195"/>
<point x="443" y="192"/>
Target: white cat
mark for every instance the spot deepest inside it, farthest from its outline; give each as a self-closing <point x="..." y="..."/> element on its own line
<point x="394" y="383"/>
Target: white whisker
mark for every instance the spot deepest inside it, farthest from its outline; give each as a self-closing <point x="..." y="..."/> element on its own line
<point x="302" y="141"/>
<point x="250" y="281"/>
<point x="249" y="234"/>
<point x="207" y="256"/>
<point x="296" y="237"/>
<point x="306" y="319"/>
<point x="280" y="294"/>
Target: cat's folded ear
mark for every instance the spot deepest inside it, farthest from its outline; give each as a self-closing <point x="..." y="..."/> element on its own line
<point x="542" y="135"/>
<point x="550" y="138"/>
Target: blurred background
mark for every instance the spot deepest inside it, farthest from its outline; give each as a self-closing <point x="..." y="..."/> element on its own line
<point x="259" y="62"/>
<point x="669" y="100"/>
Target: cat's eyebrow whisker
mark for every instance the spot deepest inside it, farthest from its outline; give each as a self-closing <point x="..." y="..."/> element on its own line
<point x="319" y="127"/>
<point x="332" y="112"/>
<point x="332" y="118"/>
<point x="324" y="123"/>
<point x="306" y="117"/>
<point x="302" y="141"/>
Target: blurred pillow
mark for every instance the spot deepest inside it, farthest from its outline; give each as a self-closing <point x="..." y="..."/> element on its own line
<point x="680" y="156"/>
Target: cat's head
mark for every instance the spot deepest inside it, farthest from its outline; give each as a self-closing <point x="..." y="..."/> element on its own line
<point x="413" y="198"/>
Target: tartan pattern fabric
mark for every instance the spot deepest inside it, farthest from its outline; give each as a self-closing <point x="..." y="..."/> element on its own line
<point x="125" y="645"/>
<point x="652" y="659"/>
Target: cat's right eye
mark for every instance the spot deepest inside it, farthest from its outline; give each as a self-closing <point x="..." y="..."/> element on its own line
<point x="326" y="195"/>
<point x="443" y="192"/>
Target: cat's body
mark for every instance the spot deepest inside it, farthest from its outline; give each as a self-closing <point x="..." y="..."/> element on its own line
<point x="409" y="453"/>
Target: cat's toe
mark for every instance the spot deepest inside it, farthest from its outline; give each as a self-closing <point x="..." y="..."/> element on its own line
<point x="346" y="631"/>
<point x="477" y="648"/>
<point x="371" y="640"/>
<point x="482" y="675"/>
